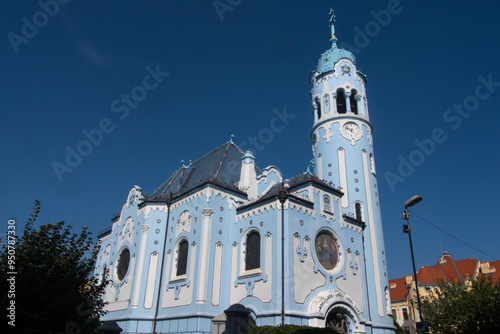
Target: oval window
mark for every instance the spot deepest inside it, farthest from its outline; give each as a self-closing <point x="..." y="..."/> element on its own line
<point x="326" y="250"/>
<point x="123" y="263"/>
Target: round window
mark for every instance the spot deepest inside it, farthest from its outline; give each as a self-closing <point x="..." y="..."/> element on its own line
<point x="123" y="263"/>
<point x="326" y="250"/>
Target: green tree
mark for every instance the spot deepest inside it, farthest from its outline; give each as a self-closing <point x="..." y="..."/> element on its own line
<point x="464" y="308"/>
<point x="53" y="289"/>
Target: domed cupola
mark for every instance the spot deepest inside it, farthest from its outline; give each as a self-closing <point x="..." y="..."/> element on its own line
<point x="337" y="87"/>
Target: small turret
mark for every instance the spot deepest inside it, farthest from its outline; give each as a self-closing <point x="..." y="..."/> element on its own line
<point x="247" y="175"/>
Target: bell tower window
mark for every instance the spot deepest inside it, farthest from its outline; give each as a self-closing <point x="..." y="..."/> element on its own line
<point x="318" y="107"/>
<point x="341" y="103"/>
<point x="354" y="103"/>
<point x="358" y="211"/>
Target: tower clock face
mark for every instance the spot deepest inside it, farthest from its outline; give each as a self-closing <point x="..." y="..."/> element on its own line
<point x="351" y="130"/>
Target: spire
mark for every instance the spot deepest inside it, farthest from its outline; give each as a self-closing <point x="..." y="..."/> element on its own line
<point x="331" y="56"/>
<point x="333" y="38"/>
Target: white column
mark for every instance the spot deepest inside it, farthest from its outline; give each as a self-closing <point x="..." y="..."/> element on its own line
<point x="343" y="177"/>
<point x="202" y="279"/>
<point x="217" y="274"/>
<point x="334" y="102"/>
<point x="361" y="110"/>
<point x="347" y="96"/>
<point x="373" y="237"/>
<point x="320" y="166"/>
<point x="150" y="287"/>
<point x="140" y="260"/>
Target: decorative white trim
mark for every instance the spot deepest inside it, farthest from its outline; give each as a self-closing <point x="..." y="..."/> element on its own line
<point x="319" y="166"/>
<point x="151" y="282"/>
<point x="346" y="224"/>
<point x="373" y="236"/>
<point x="343" y="177"/>
<point x="202" y="276"/>
<point x="275" y="205"/>
<point x="135" y="300"/>
<point x="216" y="287"/>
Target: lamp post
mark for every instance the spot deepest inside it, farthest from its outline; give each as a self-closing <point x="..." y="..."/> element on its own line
<point x="421" y="326"/>
<point x="282" y="196"/>
<point x="169" y="203"/>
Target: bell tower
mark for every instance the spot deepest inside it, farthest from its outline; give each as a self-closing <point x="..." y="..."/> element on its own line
<point x="342" y="145"/>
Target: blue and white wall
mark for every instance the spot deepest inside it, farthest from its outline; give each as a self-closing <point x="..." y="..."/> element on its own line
<point x="343" y="154"/>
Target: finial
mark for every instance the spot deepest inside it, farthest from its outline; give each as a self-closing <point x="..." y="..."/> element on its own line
<point x="231" y="140"/>
<point x="311" y="165"/>
<point x="333" y="38"/>
<point x="184" y="165"/>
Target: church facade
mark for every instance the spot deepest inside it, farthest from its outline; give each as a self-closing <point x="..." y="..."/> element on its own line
<point x="308" y="250"/>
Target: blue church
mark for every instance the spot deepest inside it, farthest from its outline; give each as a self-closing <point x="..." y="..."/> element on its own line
<point x="307" y="250"/>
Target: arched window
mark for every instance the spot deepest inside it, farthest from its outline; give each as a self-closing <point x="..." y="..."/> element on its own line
<point x="182" y="257"/>
<point x="341" y="103"/>
<point x="318" y="109"/>
<point x="354" y="103"/>
<point x="252" y="251"/>
<point x="326" y="100"/>
<point x="358" y="211"/>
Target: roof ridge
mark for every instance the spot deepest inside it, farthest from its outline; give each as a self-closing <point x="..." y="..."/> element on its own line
<point x="206" y="155"/>
<point x="457" y="272"/>
<point x="221" y="162"/>
<point x="171" y="178"/>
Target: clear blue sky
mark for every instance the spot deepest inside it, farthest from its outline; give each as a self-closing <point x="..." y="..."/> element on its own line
<point x="227" y="72"/>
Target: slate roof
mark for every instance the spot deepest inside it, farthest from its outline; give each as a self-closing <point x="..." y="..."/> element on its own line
<point x="293" y="183"/>
<point x="221" y="167"/>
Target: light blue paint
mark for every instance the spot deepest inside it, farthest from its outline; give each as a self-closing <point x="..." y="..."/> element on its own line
<point x="304" y="219"/>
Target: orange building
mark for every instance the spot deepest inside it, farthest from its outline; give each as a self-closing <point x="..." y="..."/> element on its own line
<point x="403" y="293"/>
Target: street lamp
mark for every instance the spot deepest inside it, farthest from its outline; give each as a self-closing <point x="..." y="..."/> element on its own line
<point x="421" y="326"/>
<point x="282" y="196"/>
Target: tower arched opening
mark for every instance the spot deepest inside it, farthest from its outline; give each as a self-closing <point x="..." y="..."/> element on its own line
<point x="353" y="102"/>
<point x="318" y="107"/>
<point x="341" y="102"/>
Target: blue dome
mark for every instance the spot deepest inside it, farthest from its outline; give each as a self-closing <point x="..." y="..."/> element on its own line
<point x="330" y="57"/>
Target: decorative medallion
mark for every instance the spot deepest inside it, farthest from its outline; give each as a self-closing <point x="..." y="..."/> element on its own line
<point x="326" y="250"/>
<point x="346" y="70"/>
